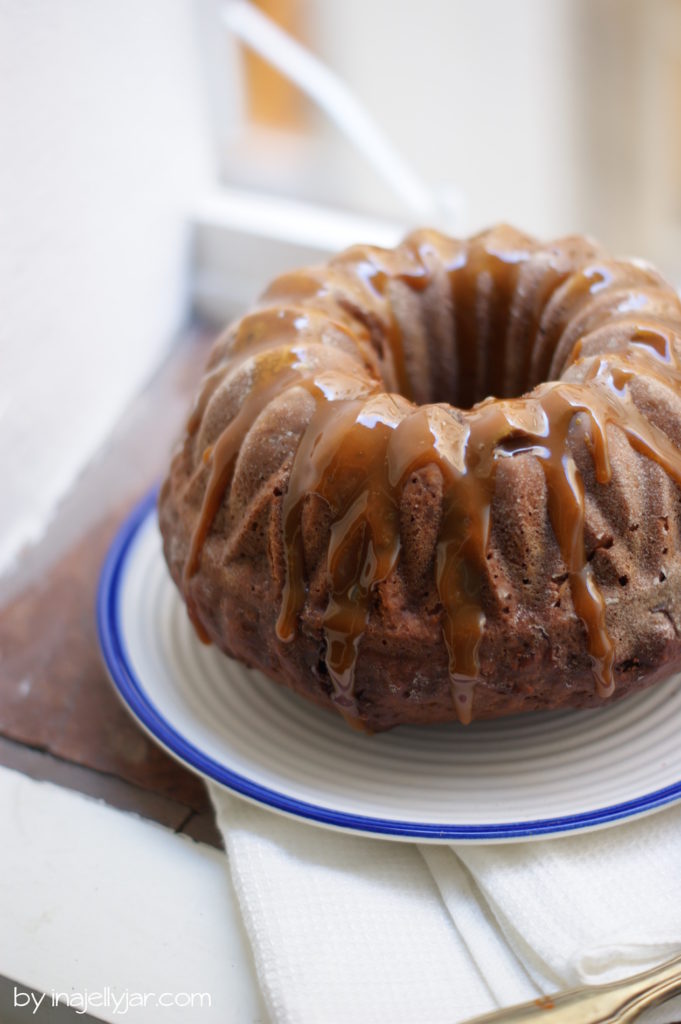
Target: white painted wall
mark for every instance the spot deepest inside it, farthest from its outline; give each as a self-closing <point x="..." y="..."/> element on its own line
<point x="103" y="151"/>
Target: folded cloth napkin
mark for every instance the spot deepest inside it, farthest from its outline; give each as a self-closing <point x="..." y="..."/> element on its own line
<point x="346" y="929"/>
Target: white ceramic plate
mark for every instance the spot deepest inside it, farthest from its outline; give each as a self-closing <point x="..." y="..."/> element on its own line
<point x="516" y="778"/>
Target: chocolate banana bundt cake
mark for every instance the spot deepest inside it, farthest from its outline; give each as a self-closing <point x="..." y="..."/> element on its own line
<point x="352" y="514"/>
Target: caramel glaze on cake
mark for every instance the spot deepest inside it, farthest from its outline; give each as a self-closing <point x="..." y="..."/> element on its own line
<point x="351" y="514"/>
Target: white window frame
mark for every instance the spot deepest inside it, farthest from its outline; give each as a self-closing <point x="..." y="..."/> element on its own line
<point x="245" y="233"/>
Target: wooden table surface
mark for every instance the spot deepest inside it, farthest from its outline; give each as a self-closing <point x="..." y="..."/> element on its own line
<point x="60" y="718"/>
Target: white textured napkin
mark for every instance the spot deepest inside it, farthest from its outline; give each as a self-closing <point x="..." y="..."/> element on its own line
<point x="363" y="930"/>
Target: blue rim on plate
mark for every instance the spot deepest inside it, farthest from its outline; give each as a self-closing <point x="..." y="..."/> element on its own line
<point x="132" y="691"/>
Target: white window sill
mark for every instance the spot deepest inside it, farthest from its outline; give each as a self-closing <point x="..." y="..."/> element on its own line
<point x="243" y="240"/>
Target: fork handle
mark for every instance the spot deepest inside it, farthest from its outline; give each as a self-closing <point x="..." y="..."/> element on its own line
<point x="618" y="1002"/>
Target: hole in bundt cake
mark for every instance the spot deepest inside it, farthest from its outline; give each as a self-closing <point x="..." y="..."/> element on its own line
<point x="466" y="337"/>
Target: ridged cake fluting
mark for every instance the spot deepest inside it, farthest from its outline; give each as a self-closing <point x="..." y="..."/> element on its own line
<point x="350" y="512"/>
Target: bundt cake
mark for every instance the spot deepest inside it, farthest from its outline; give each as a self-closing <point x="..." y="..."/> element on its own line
<point x="350" y="513"/>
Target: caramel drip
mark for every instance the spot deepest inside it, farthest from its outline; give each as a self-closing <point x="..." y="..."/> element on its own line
<point x="364" y="542"/>
<point x="462" y="286"/>
<point x="254" y="333"/>
<point x="565" y="303"/>
<point x="273" y="371"/>
<point x="361" y="445"/>
<point x="269" y="328"/>
<point x="462" y="696"/>
<point x="503" y="265"/>
<point x="370" y="266"/>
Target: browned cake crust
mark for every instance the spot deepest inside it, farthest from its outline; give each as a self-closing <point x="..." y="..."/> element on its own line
<point x="351" y="515"/>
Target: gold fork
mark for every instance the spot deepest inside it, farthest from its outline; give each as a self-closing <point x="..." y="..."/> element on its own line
<point x="616" y="1003"/>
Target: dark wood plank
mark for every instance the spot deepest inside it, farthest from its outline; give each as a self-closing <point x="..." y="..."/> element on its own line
<point x="56" y="701"/>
